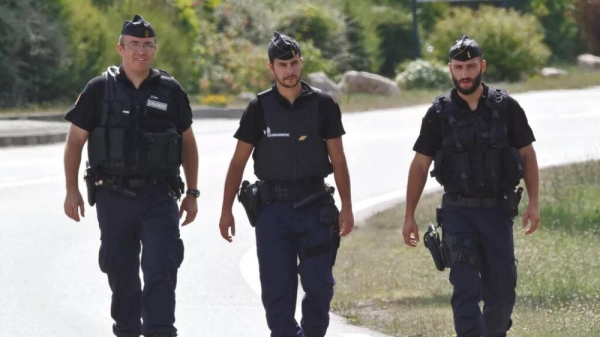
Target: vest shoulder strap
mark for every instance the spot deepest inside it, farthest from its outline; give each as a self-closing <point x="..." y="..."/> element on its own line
<point x="497" y="99"/>
<point x="110" y="80"/>
<point x="166" y="84"/>
<point x="264" y="93"/>
<point x="442" y="102"/>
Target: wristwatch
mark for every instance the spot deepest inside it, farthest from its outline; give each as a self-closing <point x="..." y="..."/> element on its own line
<point x="195" y="193"/>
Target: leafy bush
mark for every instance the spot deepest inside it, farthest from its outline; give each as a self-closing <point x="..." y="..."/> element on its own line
<point x="237" y="65"/>
<point x="324" y="26"/>
<point x="512" y="43"/>
<point x="421" y="74"/>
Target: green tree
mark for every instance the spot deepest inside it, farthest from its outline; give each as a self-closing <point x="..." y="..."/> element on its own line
<point x="357" y="51"/>
<point x="31" y="50"/>
<point x="396" y="42"/>
<point x="512" y="42"/>
<point x="588" y="14"/>
<point x="561" y="32"/>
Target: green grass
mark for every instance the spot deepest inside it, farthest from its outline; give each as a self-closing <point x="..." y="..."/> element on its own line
<point x="50" y="107"/>
<point x="386" y="285"/>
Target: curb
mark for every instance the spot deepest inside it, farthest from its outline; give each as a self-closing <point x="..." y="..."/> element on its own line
<point x="60" y="136"/>
<point x="39" y="139"/>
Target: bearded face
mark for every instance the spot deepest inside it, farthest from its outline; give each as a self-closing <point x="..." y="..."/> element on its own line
<point x="467" y="75"/>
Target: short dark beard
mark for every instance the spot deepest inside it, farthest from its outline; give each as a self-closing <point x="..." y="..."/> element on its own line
<point x="281" y="83"/>
<point x="472" y="89"/>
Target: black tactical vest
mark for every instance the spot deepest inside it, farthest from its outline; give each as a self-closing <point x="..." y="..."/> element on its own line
<point x="291" y="148"/>
<point x="132" y="139"/>
<point x="476" y="157"/>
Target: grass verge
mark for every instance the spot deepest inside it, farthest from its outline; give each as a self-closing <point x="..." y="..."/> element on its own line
<point x="383" y="284"/>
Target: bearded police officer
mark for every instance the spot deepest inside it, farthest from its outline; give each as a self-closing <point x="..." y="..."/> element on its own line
<point x="137" y="121"/>
<point x="481" y="145"/>
<point x="295" y="132"/>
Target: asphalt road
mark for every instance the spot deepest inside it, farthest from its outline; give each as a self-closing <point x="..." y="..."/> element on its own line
<point x="50" y="283"/>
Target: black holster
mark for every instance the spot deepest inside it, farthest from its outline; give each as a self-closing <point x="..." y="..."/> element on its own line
<point x="330" y="216"/>
<point x="177" y="186"/>
<point x="510" y="202"/>
<point x="90" y="182"/>
<point x="437" y="247"/>
<point x="249" y="197"/>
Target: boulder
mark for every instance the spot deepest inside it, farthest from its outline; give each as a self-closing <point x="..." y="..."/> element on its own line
<point x="589" y="61"/>
<point x="246" y="96"/>
<point x="553" y="72"/>
<point x="368" y="83"/>
<point x="321" y="81"/>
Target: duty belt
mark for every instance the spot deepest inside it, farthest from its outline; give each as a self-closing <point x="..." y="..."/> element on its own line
<point x="483" y="202"/>
<point x="292" y="194"/>
<point x="131" y="181"/>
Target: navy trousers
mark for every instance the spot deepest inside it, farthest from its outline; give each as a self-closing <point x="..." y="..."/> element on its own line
<point x="148" y="223"/>
<point x="283" y="237"/>
<point x="488" y="234"/>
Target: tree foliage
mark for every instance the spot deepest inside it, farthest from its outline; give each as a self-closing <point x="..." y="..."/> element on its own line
<point x="50" y="49"/>
<point x="512" y="42"/>
<point x="324" y="26"/>
<point x="588" y="15"/>
<point x="31" y="53"/>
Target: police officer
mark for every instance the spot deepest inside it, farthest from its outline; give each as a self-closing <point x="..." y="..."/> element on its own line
<point x="481" y="145"/>
<point x="295" y="132"/>
<point x="137" y="121"/>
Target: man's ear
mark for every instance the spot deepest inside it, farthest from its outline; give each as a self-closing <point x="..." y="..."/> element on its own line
<point x="270" y="65"/>
<point x="483" y="65"/>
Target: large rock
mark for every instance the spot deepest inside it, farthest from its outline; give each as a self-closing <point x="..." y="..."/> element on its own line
<point x="363" y="82"/>
<point x="321" y="81"/>
<point x="589" y="61"/>
<point x="553" y="72"/>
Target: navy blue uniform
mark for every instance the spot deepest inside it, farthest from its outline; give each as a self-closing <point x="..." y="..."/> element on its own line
<point x="285" y="235"/>
<point x="147" y="223"/>
<point x="483" y="233"/>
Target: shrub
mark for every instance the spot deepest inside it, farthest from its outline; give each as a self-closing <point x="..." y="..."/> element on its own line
<point x="512" y="43"/>
<point x="421" y="74"/>
<point x="324" y="26"/>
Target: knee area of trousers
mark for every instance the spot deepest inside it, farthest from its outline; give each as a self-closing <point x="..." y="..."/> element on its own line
<point x="118" y="255"/>
<point x="162" y="255"/>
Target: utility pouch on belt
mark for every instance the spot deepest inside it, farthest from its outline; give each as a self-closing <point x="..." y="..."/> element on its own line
<point x="90" y="183"/>
<point x="510" y="202"/>
<point x="437" y="248"/>
<point x="249" y="197"/>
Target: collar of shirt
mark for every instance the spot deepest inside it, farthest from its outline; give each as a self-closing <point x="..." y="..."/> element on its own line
<point x="122" y="77"/>
<point x="306" y="91"/>
<point x="461" y="103"/>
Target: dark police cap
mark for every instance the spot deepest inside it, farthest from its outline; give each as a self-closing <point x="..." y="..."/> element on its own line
<point x="283" y="47"/>
<point x="465" y="49"/>
<point x="138" y="27"/>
